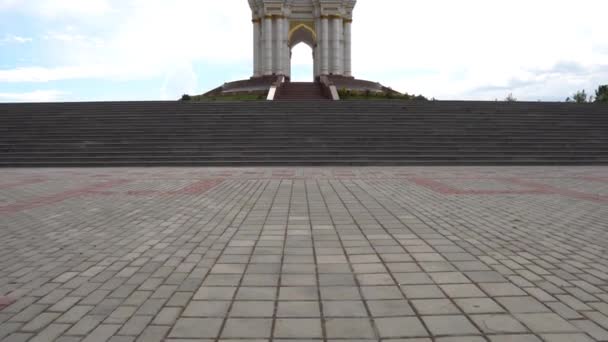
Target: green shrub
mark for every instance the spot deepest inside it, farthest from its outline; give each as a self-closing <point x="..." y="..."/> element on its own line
<point x="601" y="94"/>
<point x="580" y="96"/>
<point x="186" y="97"/>
<point x="369" y="94"/>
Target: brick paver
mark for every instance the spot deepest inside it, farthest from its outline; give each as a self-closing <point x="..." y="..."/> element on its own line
<point x="304" y="254"/>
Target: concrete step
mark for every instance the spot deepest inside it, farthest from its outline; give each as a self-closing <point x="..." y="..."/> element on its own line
<point x="302" y="133"/>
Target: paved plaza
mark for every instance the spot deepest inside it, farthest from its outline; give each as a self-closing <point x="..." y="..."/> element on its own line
<point x="304" y="254"/>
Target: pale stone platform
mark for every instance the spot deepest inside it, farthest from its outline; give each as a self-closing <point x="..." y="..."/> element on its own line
<point x="304" y="254"/>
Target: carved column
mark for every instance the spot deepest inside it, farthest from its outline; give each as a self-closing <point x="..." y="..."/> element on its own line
<point x="268" y="57"/>
<point x="337" y="47"/>
<point x="348" y="70"/>
<point x="257" y="65"/>
<point x="286" y="51"/>
<point x="324" y="46"/>
<point x="278" y="47"/>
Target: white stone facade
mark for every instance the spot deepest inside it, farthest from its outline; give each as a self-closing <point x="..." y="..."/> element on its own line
<point x="279" y="25"/>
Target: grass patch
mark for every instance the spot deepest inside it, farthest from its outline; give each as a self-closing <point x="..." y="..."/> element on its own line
<point x="235" y="97"/>
<point x="346" y="94"/>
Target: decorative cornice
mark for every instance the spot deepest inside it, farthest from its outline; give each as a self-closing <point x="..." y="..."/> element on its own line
<point x="331" y="16"/>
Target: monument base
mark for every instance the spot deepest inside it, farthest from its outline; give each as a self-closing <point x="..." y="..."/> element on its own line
<point x="253" y="86"/>
<point x="261" y="85"/>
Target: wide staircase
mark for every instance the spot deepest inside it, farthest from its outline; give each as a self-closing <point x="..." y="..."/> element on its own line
<point x="300" y="91"/>
<point x="302" y="133"/>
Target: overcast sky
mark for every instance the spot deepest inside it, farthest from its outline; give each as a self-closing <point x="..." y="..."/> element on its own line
<point x="74" y="50"/>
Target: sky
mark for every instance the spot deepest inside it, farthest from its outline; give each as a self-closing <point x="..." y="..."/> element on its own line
<point x="100" y="50"/>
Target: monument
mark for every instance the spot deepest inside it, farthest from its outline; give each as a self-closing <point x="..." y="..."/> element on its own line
<point x="324" y="25"/>
<point x="278" y="26"/>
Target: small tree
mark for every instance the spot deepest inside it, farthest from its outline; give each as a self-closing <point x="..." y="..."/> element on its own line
<point x="580" y="96"/>
<point x="601" y="94"/>
<point x="186" y="97"/>
<point x="510" y="98"/>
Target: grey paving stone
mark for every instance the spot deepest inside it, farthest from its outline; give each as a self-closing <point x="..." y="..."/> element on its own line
<point x="592" y="329"/>
<point x="135" y="325"/>
<point x="336" y="279"/>
<point x="349" y="328"/>
<point x="381" y="292"/>
<point x="167" y="316"/>
<point x="502" y="289"/>
<point x="449" y="278"/>
<point x="340" y="293"/>
<point x="515" y="338"/>
<point x="17" y="337"/>
<point x="297" y="328"/>
<point x="74" y="314"/>
<point x="85" y="325"/>
<point x="422" y="292"/>
<point x="121" y="314"/>
<point x="522" y="305"/>
<point x="400" y="327"/>
<point x="215" y="293"/>
<point x="478" y="305"/>
<point x="247" y="328"/>
<point x="343" y="309"/>
<point x="546" y="323"/>
<point x="450" y="325"/>
<point x="461" y="339"/>
<point x="68" y="339"/>
<point x="256" y="293"/>
<point x="196" y="328"/>
<point x="40" y="322"/>
<point x="435" y="307"/>
<point x="380" y="249"/>
<point x="390" y="308"/>
<point x="298" y="293"/>
<point x="207" y="309"/>
<point x="566" y="338"/>
<point x="102" y="333"/>
<point x="50" y="333"/>
<point x="498" y="324"/>
<point x="154" y="334"/>
<point x="252" y="309"/>
<point x="64" y="304"/>
<point x="29" y="313"/>
<point x="298" y="309"/>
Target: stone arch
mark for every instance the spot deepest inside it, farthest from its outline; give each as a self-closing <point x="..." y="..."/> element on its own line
<point x="302" y="33"/>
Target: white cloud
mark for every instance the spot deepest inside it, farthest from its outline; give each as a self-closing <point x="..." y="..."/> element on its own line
<point x="181" y="80"/>
<point x="468" y="49"/>
<point x="42" y="74"/>
<point x="149" y="39"/>
<point x="10" y="38"/>
<point x="464" y="45"/>
<point x="53" y="9"/>
<point x="33" y="96"/>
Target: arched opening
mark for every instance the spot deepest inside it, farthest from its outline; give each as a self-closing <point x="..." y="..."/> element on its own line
<point x="302" y="66"/>
<point x="302" y="40"/>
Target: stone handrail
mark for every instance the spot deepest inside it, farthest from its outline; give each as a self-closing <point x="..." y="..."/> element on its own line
<point x="329" y="89"/>
<point x="274" y="89"/>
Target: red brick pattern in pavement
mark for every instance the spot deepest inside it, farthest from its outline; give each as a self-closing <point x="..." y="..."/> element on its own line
<point x="5" y="302"/>
<point x="60" y="197"/>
